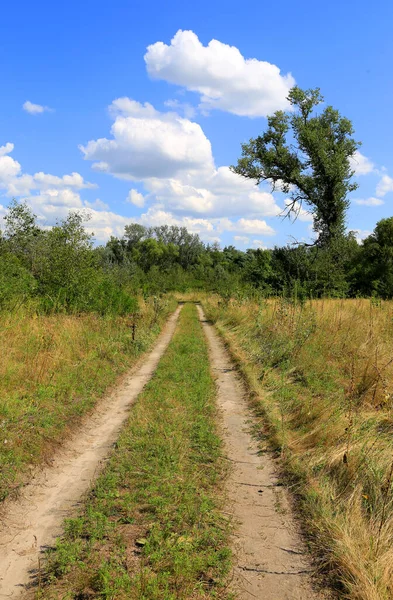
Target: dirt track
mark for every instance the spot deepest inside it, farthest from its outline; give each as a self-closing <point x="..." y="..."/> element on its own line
<point x="270" y="563"/>
<point x="32" y="523"/>
<point x="269" y="560"/>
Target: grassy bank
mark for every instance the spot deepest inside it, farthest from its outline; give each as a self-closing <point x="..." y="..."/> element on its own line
<point x="151" y="528"/>
<point x="53" y="369"/>
<point x="323" y="377"/>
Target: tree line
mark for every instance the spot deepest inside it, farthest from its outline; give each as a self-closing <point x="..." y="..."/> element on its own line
<point x="60" y="268"/>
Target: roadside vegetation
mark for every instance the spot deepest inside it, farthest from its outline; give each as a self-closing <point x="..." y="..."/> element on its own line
<point x="322" y="376"/>
<point x="54" y="368"/>
<point x="152" y="527"/>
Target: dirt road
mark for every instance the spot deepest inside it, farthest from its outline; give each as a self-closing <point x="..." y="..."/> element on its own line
<point x="269" y="561"/>
<point x="269" y="564"/>
<point x="33" y="522"/>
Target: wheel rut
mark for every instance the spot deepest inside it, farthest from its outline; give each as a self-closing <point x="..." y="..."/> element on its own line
<point x="270" y="561"/>
<point x="31" y="523"/>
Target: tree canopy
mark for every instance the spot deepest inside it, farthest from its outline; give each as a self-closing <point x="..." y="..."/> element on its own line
<point x="307" y="156"/>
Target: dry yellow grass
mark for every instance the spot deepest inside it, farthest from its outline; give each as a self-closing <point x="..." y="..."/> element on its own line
<point x="324" y="374"/>
<point x="52" y="371"/>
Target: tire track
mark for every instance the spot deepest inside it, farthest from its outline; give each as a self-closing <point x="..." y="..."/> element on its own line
<point x="269" y="560"/>
<point x="32" y="523"/>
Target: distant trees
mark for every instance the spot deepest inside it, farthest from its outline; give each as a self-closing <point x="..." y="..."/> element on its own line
<point x="374" y="269"/>
<point x="59" y="268"/>
<point x="306" y="155"/>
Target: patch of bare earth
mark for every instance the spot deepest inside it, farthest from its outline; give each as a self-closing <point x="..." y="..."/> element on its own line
<point x="31" y="523"/>
<point x="270" y="562"/>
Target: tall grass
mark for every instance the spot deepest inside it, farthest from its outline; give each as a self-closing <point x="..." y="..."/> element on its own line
<point x="323" y="372"/>
<point x="52" y="371"/>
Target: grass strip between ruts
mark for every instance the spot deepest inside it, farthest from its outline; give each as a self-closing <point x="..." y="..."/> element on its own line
<point x="151" y="527"/>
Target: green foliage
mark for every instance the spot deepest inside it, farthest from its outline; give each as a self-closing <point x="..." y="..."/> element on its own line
<point x="315" y="170"/>
<point x="374" y="269"/>
<point x="60" y="270"/>
<point x="17" y="284"/>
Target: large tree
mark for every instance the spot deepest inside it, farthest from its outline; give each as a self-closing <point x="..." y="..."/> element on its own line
<point x="307" y="156"/>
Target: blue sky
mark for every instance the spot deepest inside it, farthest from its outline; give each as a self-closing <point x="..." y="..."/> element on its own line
<point x="76" y="132"/>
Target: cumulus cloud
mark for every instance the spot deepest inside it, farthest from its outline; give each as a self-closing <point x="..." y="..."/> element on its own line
<point x="97" y="204"/>
<point x="172" y="157"/>
<point x="369" y="202"/>
<point x="146" y="143"/>
<point x="53" y="205"/>
<point x="16" y="183"/>
<point x="209" y="211"/>
<point x="215" y="194"/>
<point x="136" y="198"/>
<point x="246" y="226"/>
<point x="9" y="167"/>
<point x="221" y="75"/>
<point x="6" y="149"/>
<point x="241" y="239"/>
<point x="74" y="180"/>
<point x="35" y="109"/>
<point x="384" y="186"/>
<point x="361" y="164"/>
<point x="259" y="244"/>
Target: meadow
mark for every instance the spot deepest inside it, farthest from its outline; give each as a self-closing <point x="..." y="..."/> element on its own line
<point x="321" y="376"/>
<point x="54" y="369"/>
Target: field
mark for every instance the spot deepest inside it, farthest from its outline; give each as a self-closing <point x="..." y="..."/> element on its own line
<point x="322" y="374"/>
<point x="52" y="372"/>
<point x="155" y="524"/>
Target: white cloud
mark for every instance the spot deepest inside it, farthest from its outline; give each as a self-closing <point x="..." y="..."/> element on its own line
<point x="253" y="226"/>
<point x="16" y="183"/>
<point x="384" y="186"/>
<point x="172" y="157"/>
<point x="216" y="194"/>
<point x="147" y="143"/>
<point x="246" y="226"/>
<point x="6" y="149"/>
<point x="9" y="169"/>
<point x="361" y="164"/>
<point x="97" y="204"/>
<point x="224" y="79"/>
<point x="74" y="180"/>
<point x="187" y="109"/>
<point x="259" y="244"/>
<point x="370" y="202"/>
<point x="136" y="198"/>
<point x="35" y="109"/>
<point x="241" y="239"/>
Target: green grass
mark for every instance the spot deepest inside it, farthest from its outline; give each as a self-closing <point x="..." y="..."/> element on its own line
<point x="53" y="371"/>
<point x="152" y="528"/>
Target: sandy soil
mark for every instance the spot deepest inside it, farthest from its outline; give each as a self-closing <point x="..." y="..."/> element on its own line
<point x="32" y="522"/>
<point x="270" y="561"/>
